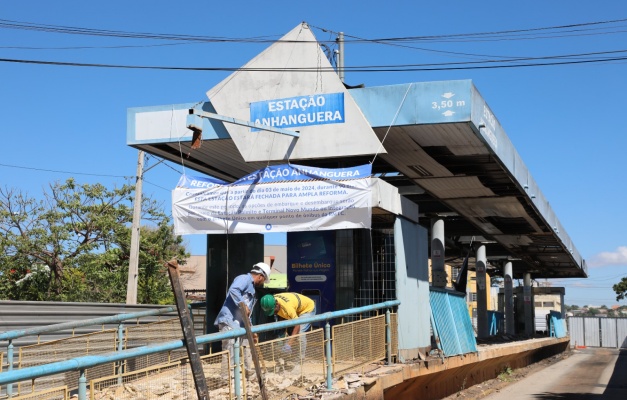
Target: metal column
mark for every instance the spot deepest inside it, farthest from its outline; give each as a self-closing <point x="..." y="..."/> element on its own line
<point x="438" y="274"/>
<point x="528" y="304"/>
<point x="508" y="278"/>
<point x="483" y="329"/>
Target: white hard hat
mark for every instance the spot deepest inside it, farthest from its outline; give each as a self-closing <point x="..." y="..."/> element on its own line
<point x="262" y="268"/>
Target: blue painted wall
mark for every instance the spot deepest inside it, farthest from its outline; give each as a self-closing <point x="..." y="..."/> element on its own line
<point x="412" y="286"/>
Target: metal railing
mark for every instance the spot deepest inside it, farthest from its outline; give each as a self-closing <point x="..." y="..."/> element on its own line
<point x="119" y="318"/>
<point x="81" y="364"/>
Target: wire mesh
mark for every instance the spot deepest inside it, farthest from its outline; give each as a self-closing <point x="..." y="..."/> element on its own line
<point x="375" y="273"/>
<point x="165" y="382"/>
<point x="394" y="329"/>
<point x="302" y="367"/>
<point x="58" y="393"/>
<point x="358" y="343"/>
<point x="65" y="349"/>
<point x="155" y="332"/>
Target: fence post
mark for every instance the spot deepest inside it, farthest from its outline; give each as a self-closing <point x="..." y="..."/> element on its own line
<point x="120" y="348"/>
<point x="10" y="361"/>
<point x="82" y="385"/>
<point x="388" y="335"/>
<point x="236" y="370"/>
<point x="327" y="354"/>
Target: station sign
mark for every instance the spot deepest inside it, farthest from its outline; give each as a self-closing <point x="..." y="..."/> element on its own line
<point x="318" y="109"/>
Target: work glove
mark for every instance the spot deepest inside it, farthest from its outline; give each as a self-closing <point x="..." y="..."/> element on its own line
<point x="287" y="349"/>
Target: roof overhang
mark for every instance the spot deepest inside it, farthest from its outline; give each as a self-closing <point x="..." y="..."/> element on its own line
<point x="445" y="151"/>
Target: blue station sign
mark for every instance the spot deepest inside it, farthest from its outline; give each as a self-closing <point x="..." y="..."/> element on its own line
<point x="319" y="109"/>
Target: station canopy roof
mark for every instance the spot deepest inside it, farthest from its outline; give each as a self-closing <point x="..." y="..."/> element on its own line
<point x="437" y="142"/>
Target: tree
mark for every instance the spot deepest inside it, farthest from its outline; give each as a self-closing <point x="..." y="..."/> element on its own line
<point x="621" y="289"/>
<point x="75" y="244"/>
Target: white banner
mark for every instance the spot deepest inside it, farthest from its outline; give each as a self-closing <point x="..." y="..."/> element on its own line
<point x="280" y="198"/>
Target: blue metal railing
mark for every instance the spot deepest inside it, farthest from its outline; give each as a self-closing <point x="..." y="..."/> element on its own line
<point x="119" y="318"/>
<point x="82" y="363"/>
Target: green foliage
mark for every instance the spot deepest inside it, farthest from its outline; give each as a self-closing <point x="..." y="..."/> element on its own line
<point x="506" y="374"/>
<point x="621" y="289"/>
<point x="74" y="245"/>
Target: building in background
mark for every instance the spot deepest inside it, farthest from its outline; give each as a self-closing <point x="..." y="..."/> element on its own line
<point x="194" y="272"/>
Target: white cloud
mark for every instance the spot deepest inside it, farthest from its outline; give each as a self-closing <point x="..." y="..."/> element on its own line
<point x="618" y="257"/>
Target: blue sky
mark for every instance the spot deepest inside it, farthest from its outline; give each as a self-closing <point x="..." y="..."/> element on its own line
<point x="565" y="121"/>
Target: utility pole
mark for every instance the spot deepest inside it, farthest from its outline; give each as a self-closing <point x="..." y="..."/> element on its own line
<point x="133" y="266"/>
<point x="340" y="59"/>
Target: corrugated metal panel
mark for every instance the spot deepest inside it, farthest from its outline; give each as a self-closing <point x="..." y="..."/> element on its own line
<point x="407" y="153"/>
<point x="540" y="320"/>
<point x="575" y="328"/>
<point x="452" y="323"/>
<point x="455" y="137"/>
<point x="598" y="332"/>
<point x="456" y="187"/>
<point x="18" y="315"/>
<point x="591" y="332"/>
<point x="621" y="330"/>
<point x="558" y="325"/>
<point x="608" y="332"/>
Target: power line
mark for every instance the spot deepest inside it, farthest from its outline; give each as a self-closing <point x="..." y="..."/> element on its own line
<point x="498" y="35"/>
<point x="63" y="172"/>
<point x="10" y="24"/>
<point x="391" y="68"/>
<point x="93" y="47"/>
<point x="489" y="34"/>
<point x="394" y="41"/>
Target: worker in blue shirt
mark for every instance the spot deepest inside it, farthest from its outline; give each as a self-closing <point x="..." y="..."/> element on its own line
<point x="230" y="316"/>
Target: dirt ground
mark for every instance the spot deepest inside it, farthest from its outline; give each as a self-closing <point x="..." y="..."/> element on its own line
<point x="506" y="378"/>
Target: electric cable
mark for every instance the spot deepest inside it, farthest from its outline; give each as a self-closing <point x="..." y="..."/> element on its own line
<point x="65" y="172"/>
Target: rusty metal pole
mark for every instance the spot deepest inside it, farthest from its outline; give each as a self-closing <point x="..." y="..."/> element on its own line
<point x="253" y="351"/>
<point x="188" y="331"/>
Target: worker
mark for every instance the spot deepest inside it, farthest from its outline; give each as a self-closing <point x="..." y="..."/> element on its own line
<point x="290" y="306"/>
<point x="230" y="316"/>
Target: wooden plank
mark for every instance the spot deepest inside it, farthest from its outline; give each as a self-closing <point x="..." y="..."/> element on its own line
<point x="253" y="350"/>
<point x="188" y="331"/>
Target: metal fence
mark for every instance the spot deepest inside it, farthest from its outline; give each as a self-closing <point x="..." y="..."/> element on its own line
<point x="358" y="343"/>
<point x="167" y="381"/>
<point x="354" y="344"/>
<point x="303" y="366"/>
<point x="135" y="335"/>
<point x="451" y="323"/>
<point x="40" y="352"/>
<point x="58" y="393"/>
<point x="65" y="349"/>
<point x="146" y="334"/>
<point x="598" y="332"/>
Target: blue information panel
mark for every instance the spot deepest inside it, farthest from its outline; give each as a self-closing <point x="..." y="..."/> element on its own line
<point x="311" y="267"/>
<point x="291" y="112"/>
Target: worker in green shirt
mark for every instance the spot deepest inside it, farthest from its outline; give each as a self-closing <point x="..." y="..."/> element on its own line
<point x="289" y="306"/>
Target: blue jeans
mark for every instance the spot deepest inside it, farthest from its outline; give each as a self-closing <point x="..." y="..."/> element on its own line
<point x="228" y="344"/>
<point x="304" y="328"/>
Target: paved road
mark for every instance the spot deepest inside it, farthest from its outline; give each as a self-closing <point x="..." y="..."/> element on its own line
<point x="586" y="374"/>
